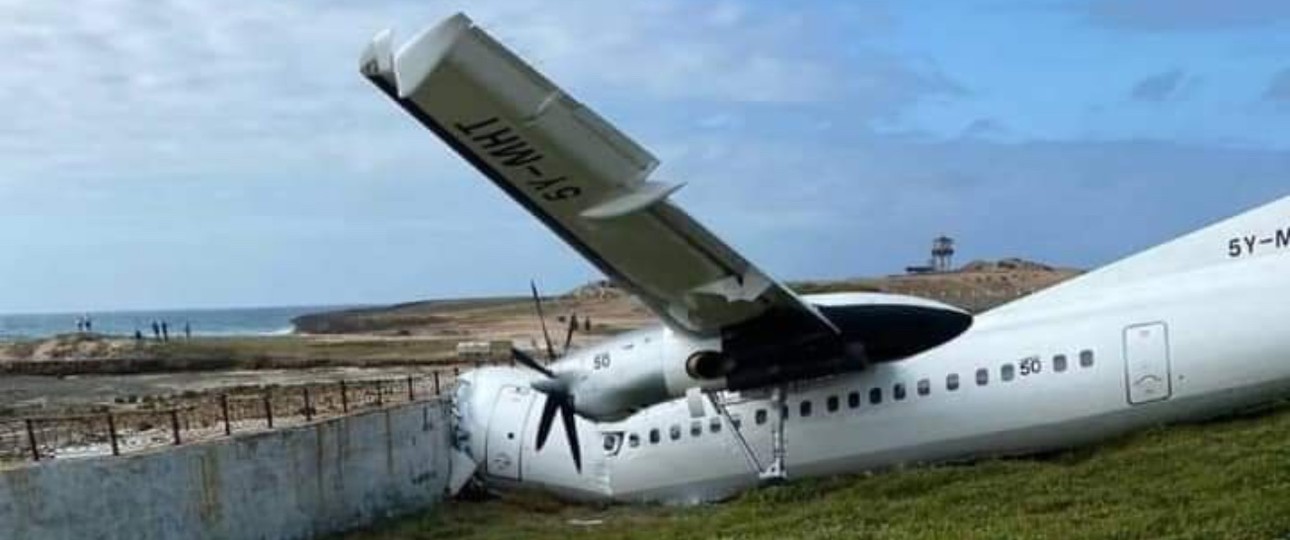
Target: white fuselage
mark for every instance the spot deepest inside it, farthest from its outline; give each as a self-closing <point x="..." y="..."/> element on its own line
<point x="1184" y="345"/>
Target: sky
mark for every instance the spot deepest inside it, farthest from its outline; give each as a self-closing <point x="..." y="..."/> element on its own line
<point x="186" y="153"/>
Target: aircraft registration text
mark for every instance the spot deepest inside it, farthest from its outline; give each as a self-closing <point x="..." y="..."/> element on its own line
<point x="1255" y="244"/>
<point x="504" y="146"/>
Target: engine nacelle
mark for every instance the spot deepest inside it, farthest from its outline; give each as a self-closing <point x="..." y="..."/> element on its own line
<point x="612" y="380"/>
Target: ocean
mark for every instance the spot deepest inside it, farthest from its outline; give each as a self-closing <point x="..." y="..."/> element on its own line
<point x="266" y="321"/>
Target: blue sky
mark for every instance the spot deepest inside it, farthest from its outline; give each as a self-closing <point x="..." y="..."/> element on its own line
<point x="181" y="153"/>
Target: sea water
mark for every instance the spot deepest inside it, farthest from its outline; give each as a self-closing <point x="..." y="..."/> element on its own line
<point x="203" y="322"/>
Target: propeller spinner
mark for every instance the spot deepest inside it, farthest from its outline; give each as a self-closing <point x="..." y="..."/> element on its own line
<point x="559" y="396"/>
<point x="558" y="399"/>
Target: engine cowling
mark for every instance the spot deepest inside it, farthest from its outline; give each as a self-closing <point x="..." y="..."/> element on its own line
<point x="612" y="380"/>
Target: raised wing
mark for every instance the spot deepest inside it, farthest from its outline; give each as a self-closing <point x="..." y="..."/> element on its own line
<point x="582" y="177"/>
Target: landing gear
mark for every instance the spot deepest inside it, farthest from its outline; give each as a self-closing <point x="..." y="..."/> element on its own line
<point x="775" y="472"/>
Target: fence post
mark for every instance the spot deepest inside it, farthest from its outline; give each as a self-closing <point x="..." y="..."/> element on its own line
<point x="268" y="408"/>
<point x="412" y="395"/>
<point x="436" y="383"/>
<point x="116" y="447"/>
<point x="174" y="426"/>
<point x="309" y="406"/>
<point x="223" y="403"/>
<point x="380" y="394"/>
<point x="344" y="398"/>
<point x="31" y="438"/>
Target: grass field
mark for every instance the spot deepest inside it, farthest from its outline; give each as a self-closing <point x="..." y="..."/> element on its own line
<point x="1226" y="479"/>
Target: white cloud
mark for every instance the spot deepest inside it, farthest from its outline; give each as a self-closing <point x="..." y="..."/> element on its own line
<point x="174" y="89"/>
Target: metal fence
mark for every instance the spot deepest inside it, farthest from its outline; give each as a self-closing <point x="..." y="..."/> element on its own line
<point x="206" y="417"/>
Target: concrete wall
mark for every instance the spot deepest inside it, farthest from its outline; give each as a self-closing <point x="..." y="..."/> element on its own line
<point x="289" y="484"/>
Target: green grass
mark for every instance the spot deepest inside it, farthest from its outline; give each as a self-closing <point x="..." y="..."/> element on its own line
<point x="1228" y="480"/>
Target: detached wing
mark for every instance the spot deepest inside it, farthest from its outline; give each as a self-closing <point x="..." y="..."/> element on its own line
<point x="582" y="177"/>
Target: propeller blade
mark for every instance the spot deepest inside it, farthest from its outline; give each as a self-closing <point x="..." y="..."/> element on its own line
<point x="571" y="431"/>
<point x="548" y="417"/>
<point x="568" y="336"/>
<point x="528" y="362"/>
<point x="537" y="301"/>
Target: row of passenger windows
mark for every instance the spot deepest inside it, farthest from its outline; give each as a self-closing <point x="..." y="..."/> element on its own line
<point x="899" y="392"/>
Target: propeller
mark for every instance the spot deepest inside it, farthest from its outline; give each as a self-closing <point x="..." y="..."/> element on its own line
<point x="537" y="302"/>
<point x="568" y="336"/>
<point x="558" y="399"/>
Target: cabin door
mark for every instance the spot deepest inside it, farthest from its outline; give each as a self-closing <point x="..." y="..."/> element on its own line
<point x="506" y="431"/>
<point x="1146" y="357"/>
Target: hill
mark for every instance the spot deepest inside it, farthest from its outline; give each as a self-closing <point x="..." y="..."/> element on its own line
<point x="1225" y="479"/>
<point x="977" y="287"/>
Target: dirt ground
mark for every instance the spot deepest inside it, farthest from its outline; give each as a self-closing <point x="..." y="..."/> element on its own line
<point x="412" y="338"/>
<point x="30" y="393"/>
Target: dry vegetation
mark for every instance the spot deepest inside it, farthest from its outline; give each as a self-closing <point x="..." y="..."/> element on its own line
<point x="979" y="286"/>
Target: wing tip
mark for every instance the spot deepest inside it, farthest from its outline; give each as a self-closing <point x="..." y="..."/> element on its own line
<point x="422" y="54"/>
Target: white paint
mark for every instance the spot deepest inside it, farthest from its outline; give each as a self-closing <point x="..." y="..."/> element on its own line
<point x="1215" y="332"/>
<point x="291" y="484"/>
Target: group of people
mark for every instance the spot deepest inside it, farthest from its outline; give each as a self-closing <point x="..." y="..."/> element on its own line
<point x="161" y="331"/>
<point x="84" y="324"/>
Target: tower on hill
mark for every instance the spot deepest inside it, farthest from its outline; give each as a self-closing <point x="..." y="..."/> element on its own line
<point x="943" y="254"/>
<point x="942" y="258"/>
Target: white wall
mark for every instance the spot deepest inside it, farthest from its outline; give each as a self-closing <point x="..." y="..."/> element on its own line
<point x="290" y="484"/>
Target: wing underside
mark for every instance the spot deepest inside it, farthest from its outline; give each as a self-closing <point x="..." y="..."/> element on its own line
<point x="588" y="182"/>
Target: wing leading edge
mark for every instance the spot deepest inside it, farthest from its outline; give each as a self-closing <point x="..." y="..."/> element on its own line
<point x="585" y="180"/>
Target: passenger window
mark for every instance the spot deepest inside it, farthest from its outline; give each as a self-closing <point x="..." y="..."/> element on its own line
<point x="853" y="400"/>
<point x="875" y="396"/>
<point x="696" y="429"/>
<point x="952" y="382"/>
<point x="654" y="436"/>
<point x="982" y="377"/>
<point x="1059" y="363"/>
<point x="783" y="412"/>
<point x="805" y="409"/>
<point x="924" y="387"/>
<point x="1008" y="372"/>
<point x="634" y="440"/>
<point x="715" y="425"/>
<point x="612" y="443"/>
<point x="1086" y="359"/>
<point x="737" y="420"/>
<point x="675" y="432"/>
<point x="760" y="416"/>
<point x="833" y="404"/>
<point x="898" y="392"/>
